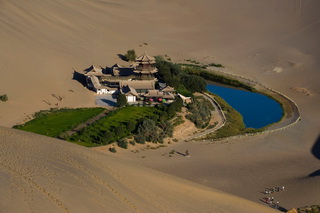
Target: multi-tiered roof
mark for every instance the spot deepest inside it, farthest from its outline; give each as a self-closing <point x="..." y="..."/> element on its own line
<point x="145" y="65"/>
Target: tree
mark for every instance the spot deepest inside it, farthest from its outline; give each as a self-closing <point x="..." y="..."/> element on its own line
<point x="107" y="137"/>
<point x="194" y="83"/>
<point x="131" y="126"/>
<point x="131" y="55"/>
<point x="174" y="107"/>
<point x="121" y="100"/>
<point x="163" y="116"/>
<point x="147" y="128"/>
<point x="119" y="131"/>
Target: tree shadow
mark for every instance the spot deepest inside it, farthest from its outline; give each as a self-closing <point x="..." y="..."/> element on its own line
<point x="316" y="148"/>
<point x="81" y="78"/>
<point x="122" y="57"/>
<point x="180" y="153"/>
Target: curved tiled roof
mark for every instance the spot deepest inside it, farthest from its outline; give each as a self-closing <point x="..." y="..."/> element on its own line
<point x="145" y="58"/>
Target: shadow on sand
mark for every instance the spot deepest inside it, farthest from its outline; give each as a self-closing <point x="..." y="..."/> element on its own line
<point x="180" y="153"/>
<point x="81" y="78"/>
<point x="316" y="148"/>
<point x="314" y="174"/>
<point x="316" y="152"/>
<point x="122" y="57"/>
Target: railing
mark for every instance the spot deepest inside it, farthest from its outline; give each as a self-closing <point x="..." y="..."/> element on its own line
<point x="296" y="111"/>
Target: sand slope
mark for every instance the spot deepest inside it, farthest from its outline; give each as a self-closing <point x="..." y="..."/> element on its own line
<point x="40" y="174"/>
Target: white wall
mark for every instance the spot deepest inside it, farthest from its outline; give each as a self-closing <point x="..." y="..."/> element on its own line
<point x="131" y="98"/>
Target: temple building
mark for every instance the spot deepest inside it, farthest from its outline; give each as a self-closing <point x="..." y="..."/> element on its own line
<point x="138" y="81"/>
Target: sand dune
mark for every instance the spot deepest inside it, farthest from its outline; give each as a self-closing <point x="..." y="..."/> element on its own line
<point x="44" y="42"/>
<point x="40" y="174"/>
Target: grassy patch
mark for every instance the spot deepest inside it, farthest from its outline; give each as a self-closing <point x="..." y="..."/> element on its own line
<point x="56" y="121"/>
<point x="112" y="127"/>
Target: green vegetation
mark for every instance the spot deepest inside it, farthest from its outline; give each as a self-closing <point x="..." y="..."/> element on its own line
<point x="114" y="126"/>
<point x="189" y="78"/>
<point x="4" y="98"/>
<point x="113" y="149"/>
<point x="200" y="112"/>
<point x="193" y="61"/>
<point x="131" y="55"/>
<point x="209" y="76"/>
<point x="146" y="123"/>
<point x="174" y="76"/>
<point x="56" y="121"/>
<point x="177" y="121"/>
<point x="194" y="83"/>
<point x="215" y="65"/>
<point x="153" y="131"/>
<point x="121" y="100"/>
<point x="123" y="143"/>
<point x="198" y="64"/>
<point x="309" y="209"/>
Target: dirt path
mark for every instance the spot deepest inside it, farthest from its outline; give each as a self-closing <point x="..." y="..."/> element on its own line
<point x="188" y="131"/>
<point x="85" y="124"/>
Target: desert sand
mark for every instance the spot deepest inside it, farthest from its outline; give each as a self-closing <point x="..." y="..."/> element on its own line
<point x="42" y="44"/>
<point x="40" y="174"/>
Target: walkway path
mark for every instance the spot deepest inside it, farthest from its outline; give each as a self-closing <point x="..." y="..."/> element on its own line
<point x="217" y="115"/>
<point x="85" y="124"/>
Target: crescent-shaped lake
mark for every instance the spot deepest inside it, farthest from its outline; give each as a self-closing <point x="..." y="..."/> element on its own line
<point x="256" y="109"/>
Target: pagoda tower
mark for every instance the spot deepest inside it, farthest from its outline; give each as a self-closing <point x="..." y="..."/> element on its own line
<point x="145" y="65"/>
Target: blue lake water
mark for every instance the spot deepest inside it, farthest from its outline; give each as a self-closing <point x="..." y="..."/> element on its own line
<point x="257" y="110"/>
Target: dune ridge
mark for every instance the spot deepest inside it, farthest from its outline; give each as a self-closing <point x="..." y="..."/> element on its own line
<point x="45" y="174"/>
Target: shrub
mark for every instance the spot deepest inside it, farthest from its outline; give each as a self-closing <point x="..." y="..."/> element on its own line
<point x="4" y="98"/>
<point x="215" y="65"/>
<point x="123" y="143"/>
<point x="200" y="113"/>
<point x="133" y="143"/>
<point x="113" y="149"/>
<point x="140" y="139"/>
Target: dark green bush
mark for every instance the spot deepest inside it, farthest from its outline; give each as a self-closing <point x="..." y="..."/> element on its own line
<point x="113" y="149"/>
<point x="140" y="138"/>
<point x="123" y="143"/>
<point x="4" y="98"/>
